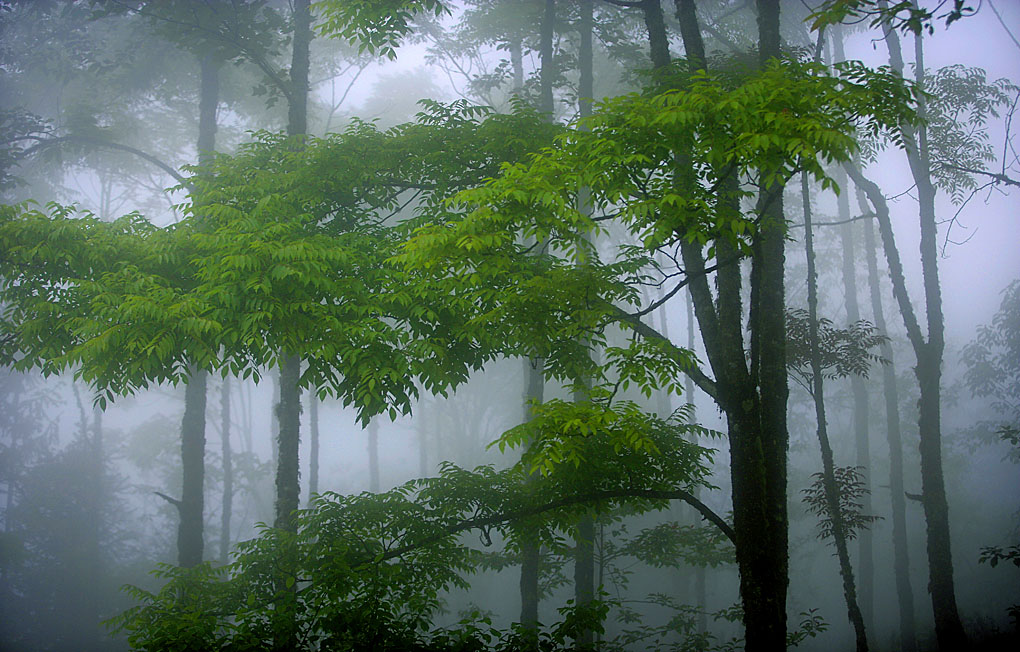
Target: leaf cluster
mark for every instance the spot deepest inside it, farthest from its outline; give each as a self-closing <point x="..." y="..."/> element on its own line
<point x="844" y="351"/>
<point x="851" y="488"/>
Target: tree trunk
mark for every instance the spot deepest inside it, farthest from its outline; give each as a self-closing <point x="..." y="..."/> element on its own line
<point x="754" y="399"/>
<point x="866" y="565"/>
<point x="530" y="553"/>
<point x="901" y="556"/>
<point x="313" y="453"/>
<point x="948" y="627"/>
<point x="189" y="533"/>
<point x="288" y="489"/>
<point x="190" y="508"/>
<point x="373" y="455"/>
<point x="228" y="472"/>
<point x="584" y="538"/>
<point x="533" y="369"/>
<point x="545" y="51"/>
<point x="516" y="46"/>
<point x="832" y="491"/>
<point x="700" y="587"/>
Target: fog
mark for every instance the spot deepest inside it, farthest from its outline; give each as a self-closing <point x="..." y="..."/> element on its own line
<point x="100" y="110"/>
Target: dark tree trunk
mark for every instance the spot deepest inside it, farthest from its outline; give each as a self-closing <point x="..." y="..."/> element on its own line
<point x="700" y="587"/>
<point x="901" y="556"/>
<point x="228" y="472"/>
<point x="93" y="577"/>
<point x="297" y="102"/>
<point x="948" y="628"/>
<point x="288" y="489"/>
<point x="516" y="46"/>
<point x="530" y="553"/>
<point x="831" y="488"/>
<point x="189" y="534"/>
<point x="190" y="530"/>
<point x="753" y="398"/>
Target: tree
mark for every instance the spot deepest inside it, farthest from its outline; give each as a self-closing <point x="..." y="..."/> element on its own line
<point x="627" y="159"/>
<point x="921" y="154"/>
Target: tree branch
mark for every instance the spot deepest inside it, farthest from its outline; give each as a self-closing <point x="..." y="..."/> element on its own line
<point x="44" y="143"/>
<point x="497" y="519"/>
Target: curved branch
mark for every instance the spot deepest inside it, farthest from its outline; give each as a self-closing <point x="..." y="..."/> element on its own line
<point x="44" y="143"/>
<point x="703" y="382"/>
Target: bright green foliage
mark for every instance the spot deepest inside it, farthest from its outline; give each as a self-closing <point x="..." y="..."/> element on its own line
<point x="375" y="25"/>
<point x="109" y="299"/>
<point x="761" y="126"/>
<point x="285" y="251"/>
<point x="368" y="571"/>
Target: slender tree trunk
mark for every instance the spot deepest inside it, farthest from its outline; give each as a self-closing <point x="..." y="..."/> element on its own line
<point x="423" y="451"/>
<point x="190" y="530"/>
<point x="832" y="491"/>
<point x="288" y="442"/>
<point x="700" y="586"/>
<point x="533" y="369"/>
<point x="545" y="51"/>
<point x="901" y="555"/>
<point x="866" y="566"/>
<point x="948" y="626"/>
<point x="93" y="575"/>
<point x="753" y="398"/>
<point x="189" y="534"/>
<point x="313" y="453"/>
<point x="584" y="538"/>
<point x="857" y="386"/>
<point x="516" y="46"/>
<point x="530" y="553"/>
<point x="288" y="489"/>
<point x="226" y="511"/>
<point x="373" y="455"/>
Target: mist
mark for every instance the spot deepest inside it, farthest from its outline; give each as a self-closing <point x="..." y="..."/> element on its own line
<point x="509" y="325"/>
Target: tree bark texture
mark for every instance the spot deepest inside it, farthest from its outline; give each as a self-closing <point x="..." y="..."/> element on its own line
<point x="288" y="489"/>
<point x="545" y="51"/>
<point x="754" y="399"/>
<point x="297" y="105"/>
<point x="288" y="442"/>
<point x="948" y="627"/>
